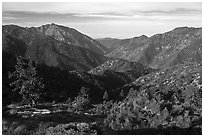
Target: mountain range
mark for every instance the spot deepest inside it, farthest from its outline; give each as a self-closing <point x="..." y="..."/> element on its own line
<point x="180" y="45"/>
<point x="106" y="65"/>
<point x="66" y="48"/>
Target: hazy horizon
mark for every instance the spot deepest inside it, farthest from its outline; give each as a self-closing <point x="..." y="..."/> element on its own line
<point x="101" y="20"/>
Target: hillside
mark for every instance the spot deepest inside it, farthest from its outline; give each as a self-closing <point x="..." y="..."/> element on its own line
<point x="171" y="78"/>
<point x="131" y="69"/>
<point x="161" y="50"/>
<point x="47" y="46"/>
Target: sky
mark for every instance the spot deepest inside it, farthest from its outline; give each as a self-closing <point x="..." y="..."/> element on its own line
<point x="106" y="19"/>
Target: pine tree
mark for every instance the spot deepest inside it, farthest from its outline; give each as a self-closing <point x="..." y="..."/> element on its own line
<point x="26" y="80"/>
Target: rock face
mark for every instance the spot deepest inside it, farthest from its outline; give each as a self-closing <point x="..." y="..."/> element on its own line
<point x="180" y="45"/>
<point x="54" y="45"/>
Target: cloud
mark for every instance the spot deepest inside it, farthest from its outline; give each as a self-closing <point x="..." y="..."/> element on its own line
<point x="28" y="16"/>
<point x="175" y="12"/>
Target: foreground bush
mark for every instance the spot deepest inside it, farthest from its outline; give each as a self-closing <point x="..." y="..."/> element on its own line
<point x="80" y="103"/>
<point x="67" y="129"/>
<point x="160" y="107"/>
<point x="103" y="108"/>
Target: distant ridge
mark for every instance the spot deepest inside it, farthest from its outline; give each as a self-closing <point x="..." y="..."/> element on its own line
<point x="180" y="45"/>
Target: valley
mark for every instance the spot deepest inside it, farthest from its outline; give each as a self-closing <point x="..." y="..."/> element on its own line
<point x="140" y="85"/>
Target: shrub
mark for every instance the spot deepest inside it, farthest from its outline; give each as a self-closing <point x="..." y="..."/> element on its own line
<point x="143" y="110"/>
<point x="68" y="129"/>
<point x="82" y="101"/>
<point x="102" y="109"/>
<point x="14" y="128"/>
<point x="127" y="114"/>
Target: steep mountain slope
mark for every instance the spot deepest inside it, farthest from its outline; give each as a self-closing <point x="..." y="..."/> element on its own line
<point x="71" y="36"/>
<point x="161" y="50"/>
<point x="52" y="50"/>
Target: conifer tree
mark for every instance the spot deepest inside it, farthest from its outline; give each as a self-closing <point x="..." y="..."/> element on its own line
<point x="26" y="80"/>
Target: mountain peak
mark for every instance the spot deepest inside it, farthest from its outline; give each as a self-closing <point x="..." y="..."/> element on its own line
<point x="49" y="25"/>
<point x="53" y="24"/>
<point x="143" y="36"/>
<point x="181" y="28"/>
